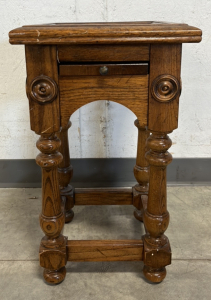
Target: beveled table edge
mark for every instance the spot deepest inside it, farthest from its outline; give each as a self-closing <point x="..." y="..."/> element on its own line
<point x="105" y="33"/>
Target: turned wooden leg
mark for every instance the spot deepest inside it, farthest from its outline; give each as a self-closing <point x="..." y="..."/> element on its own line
<point x="53" y="245"/>
<point x="157" y="251"/>
<point x="141" y="171"/>
<point x="65" y="171"/>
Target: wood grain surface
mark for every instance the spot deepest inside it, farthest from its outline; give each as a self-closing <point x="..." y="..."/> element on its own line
<point x="103" y="52"/>
<point x="103" y="196"/>
<point x="130" y="91"/>
<point x="65" y="172"/>
<point x="112" y="69"/>
<point x="157" y="250"/>
<point x="105" y="250"/>
<point x="153" y="98"/>
<point x="141" y="171"/>
<point x="53" y="244"/>
<point x="91" y="33"/>
<point x="164" y="59"/>
<point x="42" y="61"/>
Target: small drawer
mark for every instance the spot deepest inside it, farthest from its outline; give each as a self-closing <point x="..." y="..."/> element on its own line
<point x="103" y="69"/>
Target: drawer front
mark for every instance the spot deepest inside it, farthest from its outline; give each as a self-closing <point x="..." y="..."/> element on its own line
<point x="103" y="69"/>
<point x="115" y="53"/>
<point x="128" y="90"/>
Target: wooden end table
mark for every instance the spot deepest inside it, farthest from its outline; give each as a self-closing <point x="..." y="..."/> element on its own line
<point x="136" y="64"/>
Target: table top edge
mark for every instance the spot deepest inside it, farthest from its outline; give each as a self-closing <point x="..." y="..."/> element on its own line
<point x="116" y="32"/>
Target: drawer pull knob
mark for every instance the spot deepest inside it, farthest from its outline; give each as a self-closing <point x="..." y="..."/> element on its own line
<point x="104" y="70"/>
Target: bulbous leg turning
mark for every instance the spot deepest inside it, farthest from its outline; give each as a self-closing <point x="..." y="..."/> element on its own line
<point x="154" y="275"/>
<point x="157" y="251"/>
<point x="138" y="215"/>
<point x="52" y="252"/>
<point x="141" y="171"/>
<point x="69" y="216"/>
<point x="54" y="276"/>
<point x="65" y="172"/>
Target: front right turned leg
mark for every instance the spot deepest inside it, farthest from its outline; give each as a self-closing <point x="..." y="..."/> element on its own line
<point x="157" y="251"/>
<point x="53" y="245"/>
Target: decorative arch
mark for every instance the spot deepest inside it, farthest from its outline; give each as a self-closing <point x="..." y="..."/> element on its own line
<point x="130" y="91"/>
<point x="110" y="133"/>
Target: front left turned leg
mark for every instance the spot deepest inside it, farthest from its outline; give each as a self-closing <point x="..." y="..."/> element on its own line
<point x="65" y="170"/>
<point x="53" y="256"/>
<point x="157" y="251"/>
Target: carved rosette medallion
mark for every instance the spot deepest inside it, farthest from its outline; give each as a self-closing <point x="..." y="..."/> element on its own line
<point x="43" y="89"/>
<point x="165" y="88"/>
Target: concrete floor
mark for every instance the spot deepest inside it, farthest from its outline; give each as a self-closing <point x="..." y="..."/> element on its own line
<point x="189" y="276"/>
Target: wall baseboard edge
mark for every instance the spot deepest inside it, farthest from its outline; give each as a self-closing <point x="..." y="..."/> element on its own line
<point x="102" y="172"/>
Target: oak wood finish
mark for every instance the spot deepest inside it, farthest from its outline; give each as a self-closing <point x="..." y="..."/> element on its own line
<point x="95" y="69"/>
<point x="141" y="171"/>
<point x="103" y="53"/>
<point x="105" y="250"/>
<point x="129" y="90"/>
<point x="103" y="196"/>
<point x="105" y="33"/>
<point x="164" y="60"/>
<point x="157" y="251"/>
<point x="42" y="92"/>
<point x="44" y="118"/>
<point x="136" y="64"/>
<point x="53" y="245"/>
<point x="65" y="172"/>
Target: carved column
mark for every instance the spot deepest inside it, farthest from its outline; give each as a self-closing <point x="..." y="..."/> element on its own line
<point x="141" y="171"/>
<point x="53" y="245"/>
<point x="157" y="251"/>
<point x="65" y="172"/>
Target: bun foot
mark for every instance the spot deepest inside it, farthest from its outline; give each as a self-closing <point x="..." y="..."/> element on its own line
<point x="154" y="275"/>
<point x="54" y="276"/>
<point x="69" y="216"/>
<point x="138" y="215"/>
